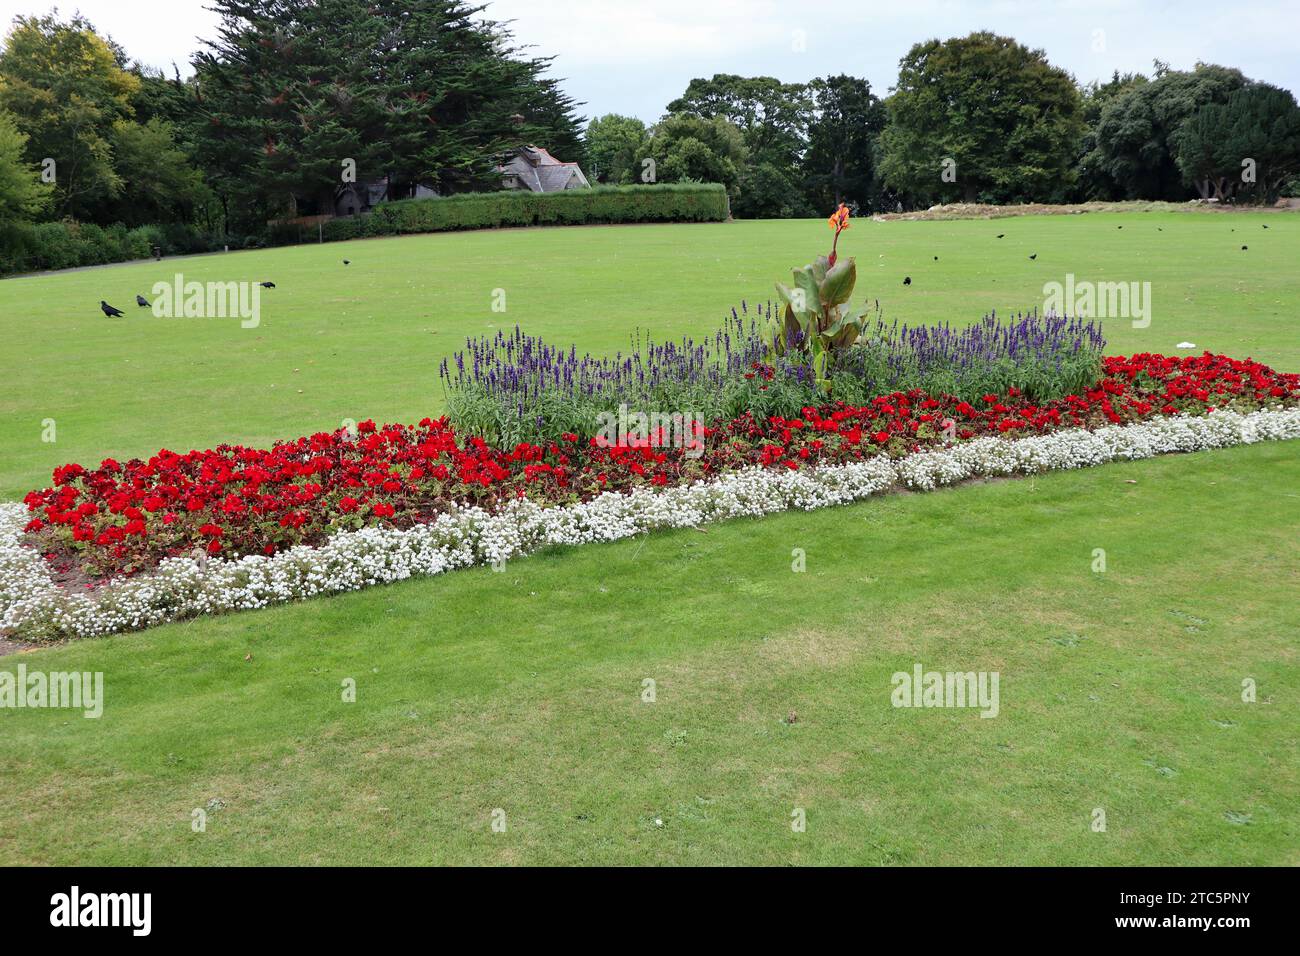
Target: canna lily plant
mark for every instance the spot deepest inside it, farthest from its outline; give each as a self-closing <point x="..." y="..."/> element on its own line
<point x="816" y="322"/>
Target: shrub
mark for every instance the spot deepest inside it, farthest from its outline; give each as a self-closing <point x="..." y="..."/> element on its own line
<point x="26" y="247"/>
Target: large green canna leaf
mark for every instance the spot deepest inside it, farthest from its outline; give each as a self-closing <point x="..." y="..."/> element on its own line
<point x="806" y="283"/>
<point x="837" y="287"/>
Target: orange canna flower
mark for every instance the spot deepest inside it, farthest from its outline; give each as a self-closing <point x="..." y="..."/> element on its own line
<point x="839" y="220"/>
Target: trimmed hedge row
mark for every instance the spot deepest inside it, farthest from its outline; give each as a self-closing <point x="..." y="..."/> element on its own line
<point x="675" y="202"/>
<point x="28" y="247"/>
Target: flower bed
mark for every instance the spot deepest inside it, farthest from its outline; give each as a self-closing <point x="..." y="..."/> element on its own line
<point x="35" y="607"/>
<point x="124" y="518"/>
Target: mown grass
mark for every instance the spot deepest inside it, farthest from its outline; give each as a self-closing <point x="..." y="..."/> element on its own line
<point x="522" y="690"/>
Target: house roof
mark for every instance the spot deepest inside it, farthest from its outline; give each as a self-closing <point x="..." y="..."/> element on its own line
<point x="538" y="170"/>
<point x="537" y="156"/>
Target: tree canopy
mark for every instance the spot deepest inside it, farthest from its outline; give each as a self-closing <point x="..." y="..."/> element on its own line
<point x="992" y="113"/>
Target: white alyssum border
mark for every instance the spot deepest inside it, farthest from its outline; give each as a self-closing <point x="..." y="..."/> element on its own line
<point x="32" y="606"/>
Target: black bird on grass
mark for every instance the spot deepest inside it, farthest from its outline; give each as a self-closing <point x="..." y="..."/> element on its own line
<point x="109" y="310"/>
<point x="141" y="301"/>
<point x="1034" y="256"/>
<point x="347" y="262"/>
<point x="1243" y="248"/>
<point x="1265" y="225"/>
<point x="267" y="285"/>
<point x="1002" y="235"/>
<point x="936" y="258"/>
<point x="907" y="280"/>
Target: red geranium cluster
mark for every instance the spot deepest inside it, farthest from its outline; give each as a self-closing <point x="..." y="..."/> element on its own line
<point x="232" y="500"/>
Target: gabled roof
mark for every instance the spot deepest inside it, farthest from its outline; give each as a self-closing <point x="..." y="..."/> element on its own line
<point x="537" y="156"/>
<point x="536" y="169"/>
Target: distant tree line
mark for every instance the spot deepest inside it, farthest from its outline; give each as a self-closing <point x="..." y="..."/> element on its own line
<point x="980" y="118"/>
<point x="429" y="92"/>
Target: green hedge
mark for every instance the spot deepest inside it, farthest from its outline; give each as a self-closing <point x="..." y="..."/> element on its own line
<point x="25" y="247"/>
<point x="676" y="202"/>
<point x="28" y="247"/>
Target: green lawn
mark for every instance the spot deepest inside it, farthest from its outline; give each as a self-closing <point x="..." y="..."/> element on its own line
<point x="364" y="340"/>
<point x="522" y="690"/>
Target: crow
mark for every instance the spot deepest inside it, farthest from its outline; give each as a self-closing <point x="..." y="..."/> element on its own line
<point x="1034" y="256"/>
<point x="1265" y="226"/>
<point x="1119" y="227"/>
<point x="1002" y="235"/>
<point x="1243" y="248"/>
<point x="907" y="280"/>
<point x="267" y="285"/>
<point x="109" y="310"/>
<point x="347" y="262"/>
<point x="141" y="301"/>
<point x="936" y="258"/>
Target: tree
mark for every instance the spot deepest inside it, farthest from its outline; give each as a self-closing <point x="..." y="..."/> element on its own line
<point x="66" y="88"/>
<point x="689" y="148"/>
<point x="159" y="183"/>
<point x="22" y="193"/>
<point x="615" y="147"/>
<point x="1136" y="129"/>
<point x="1249" y="144"/>
<point x="418" y="91"/>
<point x="768" y="191"/>
<point x="838" y="164"/>
<point x="1094" y="181"/>
<point x="1006" y="119"/>
<point x="773" y="116"/>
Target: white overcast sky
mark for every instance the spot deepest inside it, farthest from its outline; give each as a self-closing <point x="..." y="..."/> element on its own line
<point x="633" y="56"/>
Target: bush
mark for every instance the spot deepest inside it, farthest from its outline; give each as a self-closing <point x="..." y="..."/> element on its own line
<point x="678" y="202"/>
<point x="27" y="247"/>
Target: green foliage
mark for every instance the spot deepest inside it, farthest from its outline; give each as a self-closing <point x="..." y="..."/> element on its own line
<point x="843" y="137"/>
<point x="600" y="204"/>
<point x="772" y="116"/>
<point x="615" y="146"/>
<point x="1095" y="182"/>
<point x="1008" y="118"/>
<point x="693" y="149"/>
<point x="814" y="325"/>
<point x="66" y="90"/>
<point x="22" y="193"/>
<point x="1136" y="131"/>
<point x="159" y="183"/>
<point x="28" y="247"/>
<point x="1258" y="123"/>
<point x="769" y="191"/>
